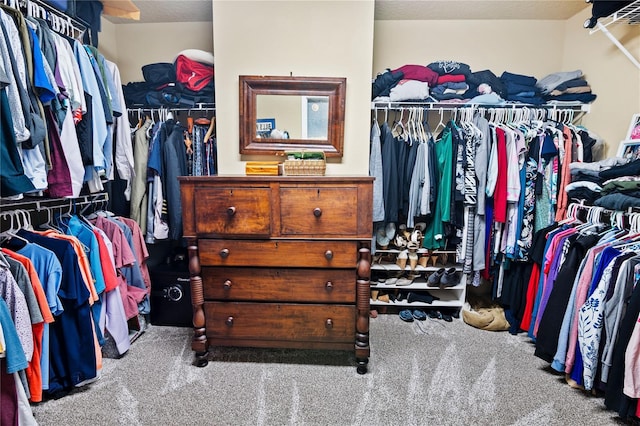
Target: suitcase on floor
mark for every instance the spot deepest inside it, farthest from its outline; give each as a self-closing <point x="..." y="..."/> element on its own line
<point x="170" y="296"/>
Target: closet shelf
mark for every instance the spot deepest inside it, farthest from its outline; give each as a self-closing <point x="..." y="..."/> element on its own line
<point x="196" y="107"/>
<point x="629" y="14"/>
<point x="419" y="268"/>
<point x="444" y="302"/>
<point x="449" y="106"/>
<point x="49" y="203"/>
<point x="417" y="285"/>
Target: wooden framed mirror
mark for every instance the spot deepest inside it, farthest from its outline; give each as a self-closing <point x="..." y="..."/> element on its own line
<point x="291" y="114"/>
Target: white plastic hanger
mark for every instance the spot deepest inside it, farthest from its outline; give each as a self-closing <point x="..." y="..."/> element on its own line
<point x="441" y="122"/>
<point x="14" y="226"/>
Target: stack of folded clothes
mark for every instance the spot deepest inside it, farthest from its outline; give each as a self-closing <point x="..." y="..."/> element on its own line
<point x="384" y="82"/>
<point x="414" y="85"/>
<point x="454" y="82"/>
<point x="566" y="87"/>
<point x="451" y="83"/>
<point x="485" y="88"/>
<point x="521" y="88"/>
<point x="586" y="181"/>
<point x="621" y="186"/>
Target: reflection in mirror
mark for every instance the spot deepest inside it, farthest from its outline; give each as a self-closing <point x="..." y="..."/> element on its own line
<point x="280" y="114"/>
<point x="292" y="117"/>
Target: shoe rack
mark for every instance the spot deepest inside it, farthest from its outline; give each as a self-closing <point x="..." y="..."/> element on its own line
<point x="407" y="275"/>
<point x="396" y="282"/>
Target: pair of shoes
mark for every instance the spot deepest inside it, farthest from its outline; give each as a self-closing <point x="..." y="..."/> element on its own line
<point x="406" y="315"/>
<point x="444" y="278"/>
<point x="385" y="235"/>
<point x="434" y="314"/>
<point x="380" y="297"/>
<point x="439" y="257"/>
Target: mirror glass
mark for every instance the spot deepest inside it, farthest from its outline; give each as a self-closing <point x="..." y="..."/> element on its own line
<point x="291" y="113"/>
<point x="292" y="117"/>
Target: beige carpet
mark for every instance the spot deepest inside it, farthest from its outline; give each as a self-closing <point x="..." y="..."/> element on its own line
<point x="428" y="373"/>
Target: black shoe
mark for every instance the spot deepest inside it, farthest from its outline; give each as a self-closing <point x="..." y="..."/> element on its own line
<point x="433" y="314"/>
<point x="421" y="297"/>
<point x="435" y="277"/>
<point x="450" y="278"/>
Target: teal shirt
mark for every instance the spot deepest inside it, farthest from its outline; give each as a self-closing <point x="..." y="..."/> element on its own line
<point x="434" y="234"/>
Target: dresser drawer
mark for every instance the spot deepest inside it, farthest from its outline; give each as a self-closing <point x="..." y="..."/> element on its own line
<point x="221" y="211"/>
<point x="278" y="253"/>
<point x="282" y="285"/>
<point x="284" y="322"/>
<point x="319" y="212"/>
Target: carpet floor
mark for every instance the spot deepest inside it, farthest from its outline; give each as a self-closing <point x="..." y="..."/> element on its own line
<point x="420" y="373"/>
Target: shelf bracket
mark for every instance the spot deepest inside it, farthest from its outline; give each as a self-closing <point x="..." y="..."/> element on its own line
<point x="619" y="45"/>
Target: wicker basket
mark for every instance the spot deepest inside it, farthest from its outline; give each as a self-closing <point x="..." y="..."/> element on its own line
<point x="300" y="163"/>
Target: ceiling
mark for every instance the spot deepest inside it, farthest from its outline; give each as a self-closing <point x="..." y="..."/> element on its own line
<point x="155" y="11"/>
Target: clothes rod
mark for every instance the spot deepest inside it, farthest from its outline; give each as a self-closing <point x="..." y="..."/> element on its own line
<point x="196" y="107"/>
<point x="456" y="107"/>
<point x="51" y="203"/>
<point x="58" y="21"/>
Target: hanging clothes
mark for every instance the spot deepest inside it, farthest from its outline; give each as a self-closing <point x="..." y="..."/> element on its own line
<point x="56" y="96"/>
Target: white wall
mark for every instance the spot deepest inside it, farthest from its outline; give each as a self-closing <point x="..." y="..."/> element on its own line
<point x="341" y="38"/>
<point x="529" y="47"/>
<point x="319" y="39"/>
<point x="107" y="42"/>
<point x="524" y="47"/>
<point x="612" y="76"/>
<point x="142" y="44"/>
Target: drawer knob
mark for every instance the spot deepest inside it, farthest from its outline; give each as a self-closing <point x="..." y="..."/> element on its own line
<point x="328" y="286"/>
<point x="224" y="253"/>
<point x="231" y="211"/>
<point x="328" y="323"/>
<point x="328" y="254"/>
<point x="229" y="321"/>
<point x="227" y="285"/>
<point x="317" y="212"/>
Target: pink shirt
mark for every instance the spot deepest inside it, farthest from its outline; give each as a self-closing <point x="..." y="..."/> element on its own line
<point x="632" y="364"/>
<point x="581" y="297"/>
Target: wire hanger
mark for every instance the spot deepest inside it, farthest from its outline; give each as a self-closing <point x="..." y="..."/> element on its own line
<point x="14" y="227"/>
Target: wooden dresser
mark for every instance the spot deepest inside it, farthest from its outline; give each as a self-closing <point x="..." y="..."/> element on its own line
<point x="279" y="261"/>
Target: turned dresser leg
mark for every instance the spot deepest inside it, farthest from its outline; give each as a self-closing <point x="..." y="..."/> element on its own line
<point x="199" y="341"/>
<point x="363" y="307"/>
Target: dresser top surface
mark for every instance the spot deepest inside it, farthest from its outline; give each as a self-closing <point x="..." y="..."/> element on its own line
<point x="305" y="179"/>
